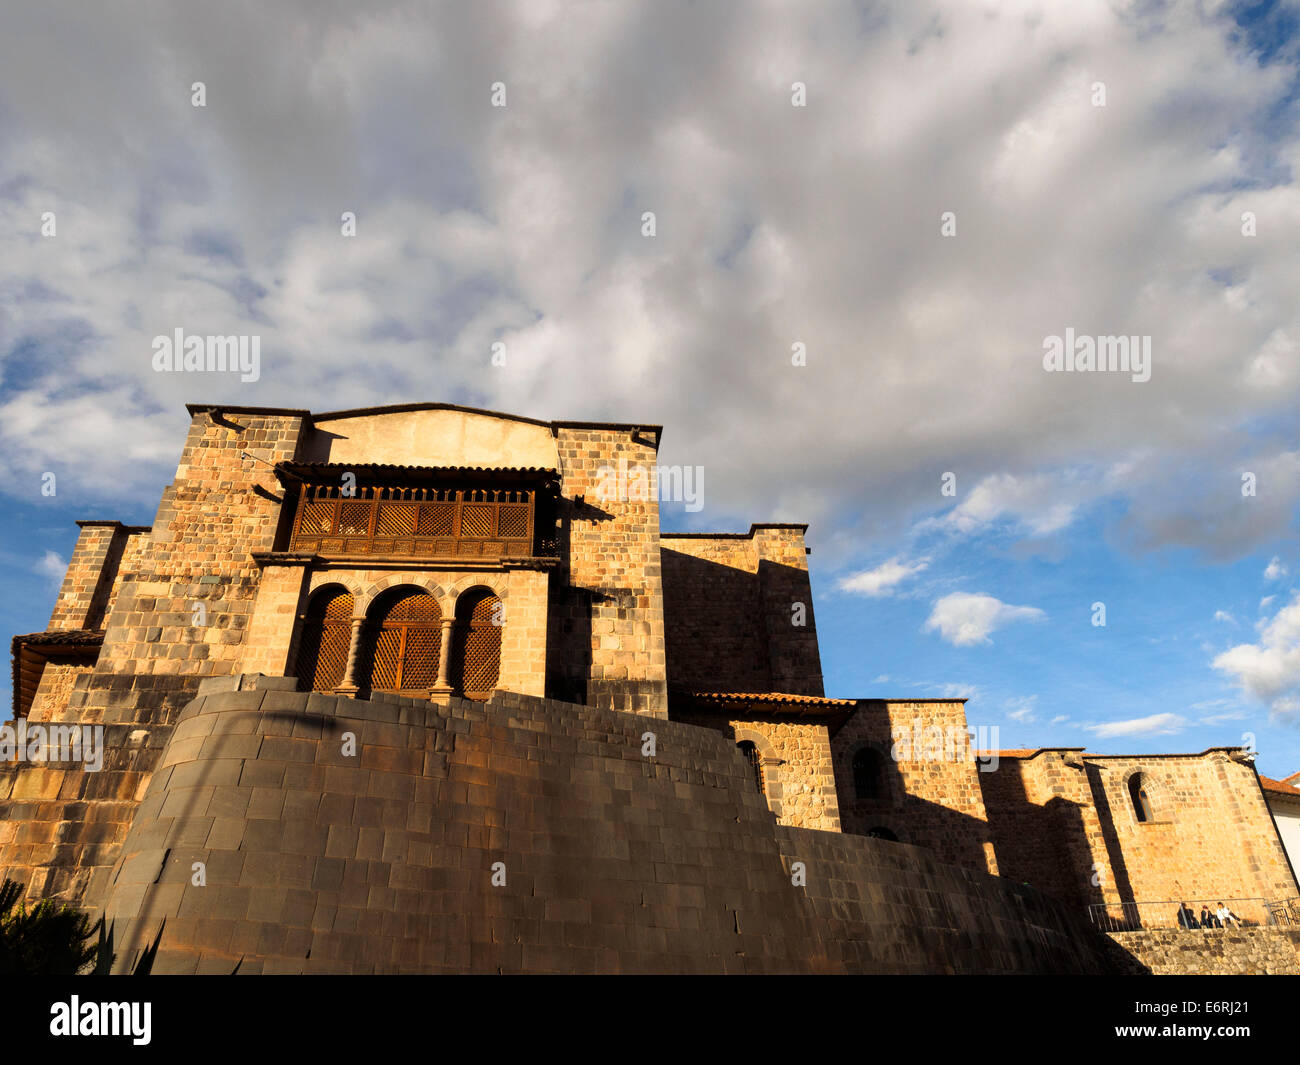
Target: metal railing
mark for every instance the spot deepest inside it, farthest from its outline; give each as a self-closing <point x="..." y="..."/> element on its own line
<point x="1284" y="911"/>
<point x="1168" y="913"/>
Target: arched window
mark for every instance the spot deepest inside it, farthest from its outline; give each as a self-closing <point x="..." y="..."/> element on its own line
<point x="405" y="638"/>
<point x="868" y="774"/>
<point x="326" y="637"/>
<point x="476" y="644"/>
<point x="750" y="751"/>
<point x="880" y="832"/>
<point x="1137" y="791"/>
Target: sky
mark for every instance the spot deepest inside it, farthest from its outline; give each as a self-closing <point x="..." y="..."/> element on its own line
<point x="869" y="220"/>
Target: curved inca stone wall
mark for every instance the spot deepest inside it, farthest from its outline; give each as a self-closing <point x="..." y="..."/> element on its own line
<point x="286" y="832"/>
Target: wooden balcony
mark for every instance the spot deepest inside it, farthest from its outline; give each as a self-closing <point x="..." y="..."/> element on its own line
<point x="418" y="514"/>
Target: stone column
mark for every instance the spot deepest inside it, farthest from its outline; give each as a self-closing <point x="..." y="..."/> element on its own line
<point x="442" y="687"/>
<point x="349" y="685"/>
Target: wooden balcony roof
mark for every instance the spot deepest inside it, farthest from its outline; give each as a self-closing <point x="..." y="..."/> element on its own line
<point x="382" y="473"/>
<point x="32" y="650"/>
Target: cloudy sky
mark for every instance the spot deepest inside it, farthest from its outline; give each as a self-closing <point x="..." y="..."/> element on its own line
<point x="962" y="181"/>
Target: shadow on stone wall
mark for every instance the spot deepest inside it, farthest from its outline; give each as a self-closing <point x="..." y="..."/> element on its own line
<point x="383" y="859"/>
<point x="729" y="629"/>
<point x="952" y="836"/>
<point x="1045" y="844"/>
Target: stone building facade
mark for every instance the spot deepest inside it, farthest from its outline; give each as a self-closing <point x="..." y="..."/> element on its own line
<point x="1131" y="837"/>
<point x="445" y="557"/>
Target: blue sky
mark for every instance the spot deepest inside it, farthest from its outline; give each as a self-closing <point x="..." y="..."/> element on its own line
<point x="1100" y="161"/>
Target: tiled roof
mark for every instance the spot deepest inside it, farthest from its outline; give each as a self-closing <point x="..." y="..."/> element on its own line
<point x="770" y="697"/>
<point x="30" y="652"/>
<point x="83" y="637"/>
<point x="832" y="713"/>
<point x="1279" y="787"/>
<point x="380" y="467"/>
<point x="316" y="472"/>
<point x="1025" y="752"/>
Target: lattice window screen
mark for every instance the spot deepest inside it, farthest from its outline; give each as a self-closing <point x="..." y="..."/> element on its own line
<point x="430" y="523"/>
<point x="354" y="519"/>
<point x="512" y="521"/>
<point x="476" y="520"/>
<point x="317" y="518"/>
<point x="395" y="519"/>
<point x="407" y="644"/>
<point x="477" y="661"/>
<point x="436" y="519"/>
<point x="326" y="638"/>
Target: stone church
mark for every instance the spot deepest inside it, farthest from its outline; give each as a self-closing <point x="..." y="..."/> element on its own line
<point x="515" y="649"/>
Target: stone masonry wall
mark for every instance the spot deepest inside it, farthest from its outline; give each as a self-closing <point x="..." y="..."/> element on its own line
<point x="931" y="797"/>
<point x="382" y="859"/>
<point x="286" y="589"/>
<point x="274" y="625"/>
<point x="1211" y="837"/>
<point x="606" y="629"/>
<point x="1045" y="826"/>
<point x="729" y="612"/>
<point x="794" y="658"/>
<point x="1226" y="951"/>
<point x="92" y="565"/>
<point x="58" y="679"/>
<point x="799" y="779"/>
<point x="220" y="508"/>
<point x="59" y="822"/>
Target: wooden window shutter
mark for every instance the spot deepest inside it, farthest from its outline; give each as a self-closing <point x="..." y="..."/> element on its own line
<point x="326" y="638"/>
<point x="476" y="663"/>
<point x="407" y="643"/>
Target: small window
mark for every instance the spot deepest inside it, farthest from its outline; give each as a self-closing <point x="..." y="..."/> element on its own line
<point x="325" y="641"/>
<point x="755" y="759"/>
<point x="1137" y="790"/>
<point x="868" y="774"/>
<point x="476" y="643"/>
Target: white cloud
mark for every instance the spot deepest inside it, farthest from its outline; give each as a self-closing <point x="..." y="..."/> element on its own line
<point x="1275" y="569"/>
<point x="1223" y="615"/>
<point x="1021" y="708"/>
<point x="1270" y="669"/>
<point x="522" y="224"/>
<point x="1266" y="602"/>
<point x="1033" y="501"/>
<point x="881" y="581"/>
<point x="1060" y="719"/>
<point x="52" y="566"/>
<point x="1154" y="725"/>
<point x="964" y="619"/>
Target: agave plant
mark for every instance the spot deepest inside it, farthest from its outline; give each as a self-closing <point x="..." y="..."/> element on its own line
<point x="50" y="939"/>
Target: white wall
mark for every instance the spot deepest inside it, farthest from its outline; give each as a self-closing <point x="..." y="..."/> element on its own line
<point x="1286" y="812"/>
